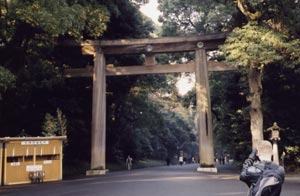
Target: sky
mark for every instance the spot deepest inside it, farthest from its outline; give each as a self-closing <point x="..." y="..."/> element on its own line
<point x="185" y="83"/>
<point x="150" y="10"/>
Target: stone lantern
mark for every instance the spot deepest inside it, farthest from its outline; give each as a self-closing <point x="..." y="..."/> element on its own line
<point x="274" y="137"/>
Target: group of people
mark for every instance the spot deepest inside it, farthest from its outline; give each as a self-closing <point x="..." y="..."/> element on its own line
<point x="222" y="158"/>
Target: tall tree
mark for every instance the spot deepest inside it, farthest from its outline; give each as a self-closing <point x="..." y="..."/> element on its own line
<point x="261" y="42"/>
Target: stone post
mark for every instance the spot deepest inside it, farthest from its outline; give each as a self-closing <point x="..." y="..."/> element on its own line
<point x="274" y="137"/>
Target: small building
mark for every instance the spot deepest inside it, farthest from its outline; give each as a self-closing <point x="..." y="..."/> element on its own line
<point x="30" y="159"/>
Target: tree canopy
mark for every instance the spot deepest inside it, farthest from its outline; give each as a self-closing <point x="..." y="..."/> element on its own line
<point x="196" y="17"/>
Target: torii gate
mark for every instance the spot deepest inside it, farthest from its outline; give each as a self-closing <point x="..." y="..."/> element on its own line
<point x="200" y="44"/>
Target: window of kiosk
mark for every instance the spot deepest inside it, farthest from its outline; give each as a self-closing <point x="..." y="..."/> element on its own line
<point x="47" y="157"/>
<point x="14" y="159"/>
<point x="28" y="158"/>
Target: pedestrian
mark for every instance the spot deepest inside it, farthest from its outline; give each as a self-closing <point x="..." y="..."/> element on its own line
<point x="181" y="160"/>
<point x="129" y="162"/>
<point x="226" y="158"/>
<point x="184" y="160"/>
<point x="168" y="160"/>
<point x="223" y="160"/>
<point x="263" y="177"/>
<point x="193" y="159"/>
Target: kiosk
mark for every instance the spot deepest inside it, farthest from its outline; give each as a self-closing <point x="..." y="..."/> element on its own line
<point x="31" y="159"/>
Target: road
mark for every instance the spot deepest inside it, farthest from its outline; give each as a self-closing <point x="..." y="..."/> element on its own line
<point x="159" y="181"/>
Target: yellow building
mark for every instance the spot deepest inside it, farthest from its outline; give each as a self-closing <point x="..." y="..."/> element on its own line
<point x="30" y="159"/>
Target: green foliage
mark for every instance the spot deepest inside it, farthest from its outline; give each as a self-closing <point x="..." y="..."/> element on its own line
<point x="189" y="17"/>
<point x="258" y="45"/>
<point x="126" y="21"/>
<point x="292" y="158"/>
<point x="97" y="19"/>
<point x="7" y="80"/>
<point x="50" y="125"/>
<point x="55" y="125"/>
<point x="57" y="17"/>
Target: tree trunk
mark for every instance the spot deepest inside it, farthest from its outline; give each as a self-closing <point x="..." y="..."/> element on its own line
<point x="256" y="117"/>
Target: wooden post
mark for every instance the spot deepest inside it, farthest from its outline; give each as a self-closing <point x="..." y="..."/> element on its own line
<point x="99" y="116"/>
<point x="203" y="113"/>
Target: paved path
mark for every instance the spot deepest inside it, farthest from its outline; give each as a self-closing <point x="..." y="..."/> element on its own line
<point x="159" y="181"/>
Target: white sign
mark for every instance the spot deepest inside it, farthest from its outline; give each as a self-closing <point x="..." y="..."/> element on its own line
<point x="47" y="162"/>
<point x="46" y="142"/>
<point x="15" y="164"/>
<point x="31" y="168"/>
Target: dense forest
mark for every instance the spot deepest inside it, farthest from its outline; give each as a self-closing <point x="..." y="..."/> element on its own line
<point x="146" y="116"/>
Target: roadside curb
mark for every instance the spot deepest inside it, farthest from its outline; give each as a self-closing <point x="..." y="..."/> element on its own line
<point x="292" y="177"/>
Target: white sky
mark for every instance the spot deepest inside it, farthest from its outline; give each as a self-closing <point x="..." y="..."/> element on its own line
<point x="150" y="10"/>
<point x="185" y="83"/>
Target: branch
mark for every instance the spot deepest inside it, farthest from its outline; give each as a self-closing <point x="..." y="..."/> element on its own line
<point x="245" y="9"/>
<point x="190" y="20"/>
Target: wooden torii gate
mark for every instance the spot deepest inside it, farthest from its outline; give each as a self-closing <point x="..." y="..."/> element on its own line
<point x="200" y="44"/>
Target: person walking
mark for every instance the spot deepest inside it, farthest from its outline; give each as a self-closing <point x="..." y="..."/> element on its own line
<point x="181" y="160"/>
<point x="129" y="162"/>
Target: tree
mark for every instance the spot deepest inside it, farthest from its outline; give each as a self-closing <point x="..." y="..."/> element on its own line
<point x="7" y="80"/>
<point x="55" y="125"/>
<point x="255" y="46"/>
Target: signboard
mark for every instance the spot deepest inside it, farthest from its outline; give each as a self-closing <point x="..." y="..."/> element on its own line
<point x="46" y="142"/>
<point x="47" y="162"/>
<point x="31" y="168"/>
<point x="15" y="164"/>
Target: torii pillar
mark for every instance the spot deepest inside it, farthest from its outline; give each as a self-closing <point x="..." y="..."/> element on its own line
<point x="203" y="114"/>
<point x="98" y="135"/>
